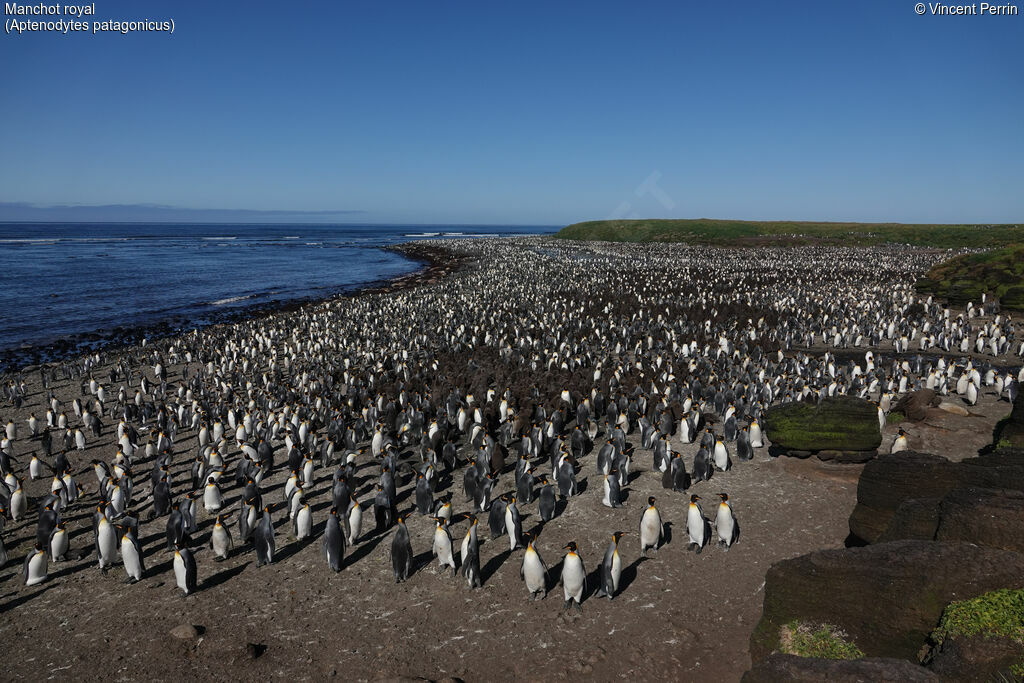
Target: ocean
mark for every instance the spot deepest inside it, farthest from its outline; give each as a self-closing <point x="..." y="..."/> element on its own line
<point x="74" y="286"/>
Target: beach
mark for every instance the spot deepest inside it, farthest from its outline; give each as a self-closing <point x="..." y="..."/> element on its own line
<point x="533" y="316"/>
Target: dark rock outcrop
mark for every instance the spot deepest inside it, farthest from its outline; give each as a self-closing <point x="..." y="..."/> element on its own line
<point x="890" y="485"/>
<point x="888" y="597"/>
<point x="976" y="658"/>
<point x="842" y="424"/>
<point x="914" y="519"/>
<point x="914" y="406"/>
<point x="1012" y="430"/>
<point x="989" y="517"/>
<point x="780" y="667"/>
<point x="846" y="457"/>
<point x="889" y="480"/>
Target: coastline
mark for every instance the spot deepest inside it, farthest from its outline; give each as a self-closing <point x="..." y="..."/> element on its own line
<point x="434" y="262"/>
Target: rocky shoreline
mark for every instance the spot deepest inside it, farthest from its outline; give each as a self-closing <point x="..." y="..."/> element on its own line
<point x="435" y="262"/>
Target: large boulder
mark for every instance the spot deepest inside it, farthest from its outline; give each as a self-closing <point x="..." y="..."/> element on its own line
<point x="779" y="667"/>
<point x="887" y="597"/>
<point x="843" y="423"/>
<point x="889" y="480"/>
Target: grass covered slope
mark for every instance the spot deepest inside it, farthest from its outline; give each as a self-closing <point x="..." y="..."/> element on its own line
<point x="726" y="233"/>
<point x="965" y="278"/>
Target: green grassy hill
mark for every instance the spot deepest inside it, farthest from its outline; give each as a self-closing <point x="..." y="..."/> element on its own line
<point x="736" y="233"/>
<point x="966" y="278"/>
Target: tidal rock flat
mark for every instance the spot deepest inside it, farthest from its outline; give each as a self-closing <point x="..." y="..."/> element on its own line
<point x="366" y="487"/>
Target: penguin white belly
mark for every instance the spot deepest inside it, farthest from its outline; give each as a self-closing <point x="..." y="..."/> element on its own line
<point x="510" y="528"/>
<point x="443" y="549"/>
<point x="212" y="499"/>
<point x="107" y="545"/>
<point x="573" y="578"/>
<point x="19" y="504"/>
<point x="607" y="493"/>
<point x="132" y="562"/>
<point x="58" y="544"/>
<point x="695" y="525"/>
<point x="721" y="456"/>
<point x="303" y="523"/>
<point x="179" y="572"/>
<point x="650" y="529"/>
<point x="616" y="571"/>
<point x="37" y="568"/>
<point x="355" y="524"/>
<point x="221" y="542"/>
<point x="724" y="524"/>
<point x="533" y="572"/>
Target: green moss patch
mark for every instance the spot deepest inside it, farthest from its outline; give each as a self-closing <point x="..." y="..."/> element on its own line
<point x="841" y="424"/>
<point x="999" y="614"/>
<point x="822" y="641"/>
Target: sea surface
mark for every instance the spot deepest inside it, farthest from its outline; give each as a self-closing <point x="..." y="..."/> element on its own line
<point x="81" y="281"/>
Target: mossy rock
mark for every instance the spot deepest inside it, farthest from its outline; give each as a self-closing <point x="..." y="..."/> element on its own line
<point x="1013" y="299"/>
<point x="962" y="292"/>
<point x="836" y="424"/>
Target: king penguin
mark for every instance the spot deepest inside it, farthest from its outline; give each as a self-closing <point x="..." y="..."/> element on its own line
<point x="900" y="443"/>
<point x="725" y="523"/>
<point x="185" y="570"/>
<point x="574" y="577"/>
<point x="697" y="525"/>
<point x="35" y="567"/>
<point x="442" y="546"/>
<point x="131" y="555"/>
<point x="355" y="522"/>
<point x="471" y="556"/>
<point x="611" y="568"/>
<point x="513" y="524"/>
<point x="533" y="571"/>
<point x="220" y="539"/>
<point x="263" y="535"/>
<point x="401" y="552"/>
<point x="333" y="541"/>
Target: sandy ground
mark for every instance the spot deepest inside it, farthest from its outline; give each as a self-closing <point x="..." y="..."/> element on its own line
<point x="679" y="615"/>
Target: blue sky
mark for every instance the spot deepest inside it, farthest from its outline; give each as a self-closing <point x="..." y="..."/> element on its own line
<point x="530" y="113"/>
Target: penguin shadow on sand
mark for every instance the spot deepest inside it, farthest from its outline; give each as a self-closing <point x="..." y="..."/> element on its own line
<point x="364" y="548"/>
<point x="294" y="547"/>
<point x="494" y="564"/>
<point x="629" y="573"/>
<point x="24" y="598"/>
<point x="220" y="577"/>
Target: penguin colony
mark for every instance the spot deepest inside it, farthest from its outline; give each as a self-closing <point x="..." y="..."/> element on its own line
<point x="476" y="402"/>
